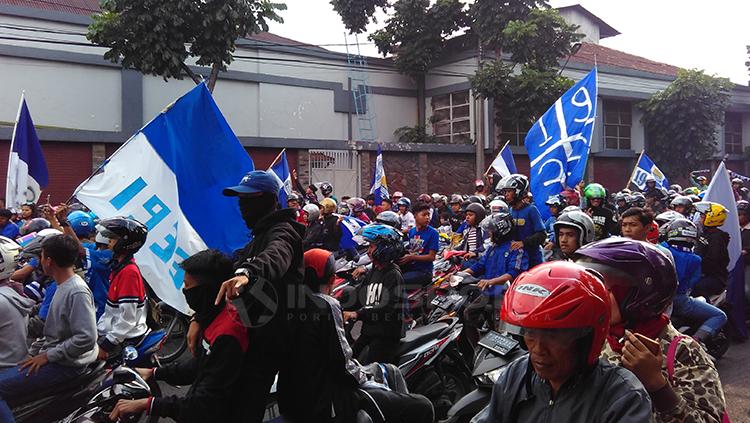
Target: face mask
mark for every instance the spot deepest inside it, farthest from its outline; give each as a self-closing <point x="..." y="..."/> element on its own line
<point x="253" y="209"/>
<point x="201" y="300"/>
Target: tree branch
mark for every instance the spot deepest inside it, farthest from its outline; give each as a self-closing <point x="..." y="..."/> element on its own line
<point x="214" y="76"/>
<point x="191" y="74"/>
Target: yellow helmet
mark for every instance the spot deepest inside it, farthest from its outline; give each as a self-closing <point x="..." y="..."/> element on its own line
<point x="714" y="214"/>
<point x="329" y="206"/>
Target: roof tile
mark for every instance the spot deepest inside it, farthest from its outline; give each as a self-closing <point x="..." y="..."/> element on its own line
<point x="595" y="53"/>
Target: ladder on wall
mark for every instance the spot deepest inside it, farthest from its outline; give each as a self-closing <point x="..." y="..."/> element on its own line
<point x="361" y="92"/>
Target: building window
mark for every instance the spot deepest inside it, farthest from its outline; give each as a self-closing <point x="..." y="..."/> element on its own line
<point x="513" y="131"/>
<point x="618" y="120"/>
<point x="733" y="133"/>
<point x="451" y="122"/>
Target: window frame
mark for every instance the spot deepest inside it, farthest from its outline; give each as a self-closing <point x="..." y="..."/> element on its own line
<point x="452" y="136"/>
<point x="729" y="133"/>
<point x="622" y="142"/>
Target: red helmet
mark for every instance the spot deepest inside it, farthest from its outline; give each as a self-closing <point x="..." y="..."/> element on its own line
<point x="571" y="197"/>
<point x="560" y="295"/>
<point x="319" y="267"/>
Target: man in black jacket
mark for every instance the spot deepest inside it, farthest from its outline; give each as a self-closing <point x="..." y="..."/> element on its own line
<point x="269" y="270"/>
<point x="215" y="383"/>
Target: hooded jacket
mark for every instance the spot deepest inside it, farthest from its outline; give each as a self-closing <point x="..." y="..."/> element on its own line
<point x="713" y="249"/>
<point x="603" y="394"/>
<point x="14" y="318"/>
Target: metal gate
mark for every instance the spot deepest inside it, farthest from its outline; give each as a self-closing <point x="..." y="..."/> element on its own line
<point x="339" y="167"/>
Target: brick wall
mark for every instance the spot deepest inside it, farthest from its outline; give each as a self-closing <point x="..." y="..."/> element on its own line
<point x="68" y="164"/>
<point x="612" y="172"/>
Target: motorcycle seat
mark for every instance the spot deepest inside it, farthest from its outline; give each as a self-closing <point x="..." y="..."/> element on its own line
<point x="419" y="335"/>
<point x="75" y="384"/>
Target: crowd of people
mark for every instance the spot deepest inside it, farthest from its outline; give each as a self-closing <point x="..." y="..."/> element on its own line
<point x="590" y="292"/>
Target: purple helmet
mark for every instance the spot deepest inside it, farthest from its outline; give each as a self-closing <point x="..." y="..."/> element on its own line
<point x="639" y="274"/>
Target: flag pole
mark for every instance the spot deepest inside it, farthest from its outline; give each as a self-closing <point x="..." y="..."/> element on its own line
<point x="277" y="158"/>
<point x="499" y="152"/>
<point x="632" y="175"/>
<point x="10" y="151"/>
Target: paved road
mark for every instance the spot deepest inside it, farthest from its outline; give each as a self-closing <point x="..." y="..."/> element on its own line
<point x="734" y="370"/>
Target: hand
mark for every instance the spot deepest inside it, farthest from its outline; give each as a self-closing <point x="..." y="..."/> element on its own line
<point x="644" y="358"/>
<point x="193" y="333"/>
<point x="34" y="363"/>
<point x="125" y="408"/>
<point x="516" y="245"/>
<point x="350" y="315"/>
<point x="231" y="288"/>
<point x="484" y="284"/>
<point x="549" y="246"/>
<point x="103" y="355"/>
<point x="359" y="272"/>
<point x="341" y="219"/>
<point x="470" y="255"/>
<point x="61" y="211"/>
<point x="406" y="259"/>
<point x="145" y="374"/>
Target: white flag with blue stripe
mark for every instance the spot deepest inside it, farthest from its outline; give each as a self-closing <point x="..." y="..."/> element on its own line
<point x="504" y="164"/>
<point x="643" y="169"/>
<point x="379" y="186"/>
<point x="27" y="169"/>
<point x="559" y="142"/>
<point x="280" y="169"/>
<point x="170" y="176"/>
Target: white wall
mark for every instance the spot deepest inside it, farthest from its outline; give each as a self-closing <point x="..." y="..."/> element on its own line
<point x="463" y="69"/>
<point x="391" y="113"/>
<point x="587" y="27"/>
<point x="61" y="95"/>
<point x="296" y="112"/>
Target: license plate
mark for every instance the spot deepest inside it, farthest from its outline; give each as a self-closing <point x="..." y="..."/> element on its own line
<point x="499" y="343"/>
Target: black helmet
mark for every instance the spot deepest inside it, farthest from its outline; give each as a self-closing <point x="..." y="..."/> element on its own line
<point x="516" y="182"/>
<point x="326" y="188"/>
<point x="682" y="232"/>
<point x="558" y="201"/>
<point x="636" y="200"/>
<point x="475" y="199"/>
<point x="129" y="233"/>
<point x="681" y="200"/>
<point x="676" y="187"/>
<point x="499" y="226"/>
<point x="478" y="210"/>
<point x="456" y="199"/>
<point x="743" y="207"/>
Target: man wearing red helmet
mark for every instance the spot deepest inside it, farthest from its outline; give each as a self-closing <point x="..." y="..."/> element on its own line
<point x="562" y="312"/>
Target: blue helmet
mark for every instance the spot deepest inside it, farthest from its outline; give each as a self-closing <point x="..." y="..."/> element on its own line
<point x="389" y="242"/>
<point x="257" y="181"/>
<point x="81" y="222"/>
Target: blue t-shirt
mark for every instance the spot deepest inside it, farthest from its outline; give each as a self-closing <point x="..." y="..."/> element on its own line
<point x="549" y="228"/>
<point x="528" y="221"/>
<point x="10" y="230"/>
<point x="421" y="242"/>
<point x="97" y="267"/>
<point x="497" y="261"/>
<point x="688" y="266"/>
<point x="47" y="301"/>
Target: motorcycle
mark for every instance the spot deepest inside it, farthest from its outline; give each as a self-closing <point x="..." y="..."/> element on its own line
<point x="432" y="364"/>
<point x="60" y="400"/>
<point x="121" y="383"/>
<point x="496" y="352"/>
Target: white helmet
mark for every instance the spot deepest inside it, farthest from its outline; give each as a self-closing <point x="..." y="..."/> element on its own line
<point x="8" y="252"/>
<point x="497" y="205"/>
<point x="313" y="212"/>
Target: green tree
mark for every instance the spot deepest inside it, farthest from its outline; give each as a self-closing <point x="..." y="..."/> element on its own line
<point x="528" y="39"/>
<point x="157" y="37"/>
<point x="357" y="14"/>
<point x="681" y="121"/>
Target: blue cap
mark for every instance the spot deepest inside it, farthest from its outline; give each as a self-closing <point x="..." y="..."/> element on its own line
<point x="257" y="181"/>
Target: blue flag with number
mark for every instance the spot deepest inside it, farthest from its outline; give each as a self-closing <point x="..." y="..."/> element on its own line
<point x="646" y="167"/>
<point x="170" y="176"/>
<point x="559" y="142"/>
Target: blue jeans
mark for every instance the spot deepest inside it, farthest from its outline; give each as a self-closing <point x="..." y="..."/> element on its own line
<point x="15" y="384"/>
<point x="694" y="310"/>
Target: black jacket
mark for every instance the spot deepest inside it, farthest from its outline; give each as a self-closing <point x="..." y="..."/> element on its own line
<point x="606" y="393"/>
<point x="331" y="237"/>
<point x="604" y="222"/>
<point x="213" y="375"/>
<point x="380" y="302"/>
<point x="314" y="235"/>
<point x="713" y="247"/>
<point x="327" y="376"/>
<point x="746" y="245"/>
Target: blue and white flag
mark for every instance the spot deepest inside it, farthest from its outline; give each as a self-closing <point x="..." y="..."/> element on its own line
<point x="281" y="170"/>
<point x="643" y="169"/>
<point x="720" y="191"/>
<point x="27" y="169"/>
<point x="170" y="176"/>
<point x="349" y="228"/>
<point x="504" y="163"/>
<point x="379" y="186"/>
<point x="559" y="142"/>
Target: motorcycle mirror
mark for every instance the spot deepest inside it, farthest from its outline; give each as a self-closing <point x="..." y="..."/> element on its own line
<point x="123" y="375"/>
<point x="130" y="354"/>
